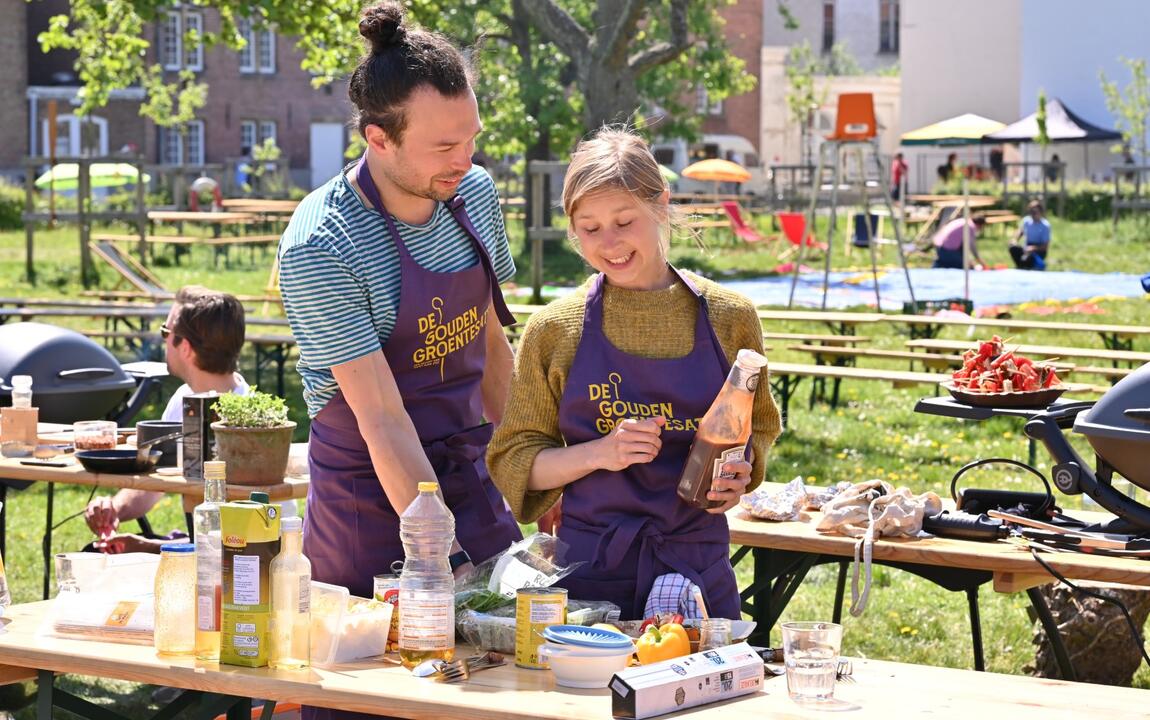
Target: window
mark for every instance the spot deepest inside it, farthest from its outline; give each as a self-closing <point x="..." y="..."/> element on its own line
<point x="247" y="135"/>
<point x="259" y="54"/>
<point x="78" y="135"/>
<point x="170" y="41"/>
<point x="194" y="53"/>
<point x="703" y="104"/>
<point x="665" y="156"/>
<point x="182" y="146"/>
<point x="171" y="46"/>
<point x="888" y="26"/>
<point x="828" y="25"/>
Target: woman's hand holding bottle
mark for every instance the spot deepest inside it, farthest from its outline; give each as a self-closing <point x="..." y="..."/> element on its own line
<point x="728" y="487"/>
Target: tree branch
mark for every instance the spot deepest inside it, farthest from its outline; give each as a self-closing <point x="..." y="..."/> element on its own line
<point x="559" y="27"/>
<point x="665" y="52"/>
<point x="614" y="36"/>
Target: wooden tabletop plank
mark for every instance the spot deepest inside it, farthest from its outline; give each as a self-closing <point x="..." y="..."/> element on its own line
<point x="1012" y="324"/>
<point x="843" y="318"/>
<point x="880" y="690"/>
<point x="75" y="474"/>
<point x="209" y="218"/>
<point x="1043" y="350"/>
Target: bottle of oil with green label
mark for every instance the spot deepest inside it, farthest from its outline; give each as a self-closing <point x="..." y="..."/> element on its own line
<point x="250" y="530"/>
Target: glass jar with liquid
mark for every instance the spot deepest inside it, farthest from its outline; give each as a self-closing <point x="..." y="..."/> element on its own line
<point x="175" y="631"/>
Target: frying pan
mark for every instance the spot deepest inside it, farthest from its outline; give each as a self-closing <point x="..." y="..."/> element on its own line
<point x="122" y="462"/>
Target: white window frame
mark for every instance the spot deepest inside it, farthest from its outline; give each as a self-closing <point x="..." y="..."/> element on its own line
<point x="267" y="42"/>
<point x="73" y="124"/>
<point x="194" y="56"/>
<point x="267" y="129"/>
<point x="171" y="140"/>
<point x="181" y="144"/>
<point x="249" y="134"/>
<point x="170" y="41"/>
<point x="703" y="104"/>
<point x="890" y="24"/>
<point x="248" y="52"/>
<point x="194" y="128"/>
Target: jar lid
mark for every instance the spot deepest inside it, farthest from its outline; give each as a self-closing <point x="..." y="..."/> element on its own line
<point x="185" y="547"/>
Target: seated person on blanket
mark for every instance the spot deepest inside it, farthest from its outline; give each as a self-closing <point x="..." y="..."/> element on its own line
<point x="1031" y="255"/>
<point x="608" y="386"/>
<point x="948" y="243"/>
<point x="202" y="336"/>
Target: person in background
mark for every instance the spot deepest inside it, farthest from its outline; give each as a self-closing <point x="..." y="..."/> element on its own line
<point x="203" y="336"/>
<point x="997" y="163"/>
<point x="950" y="169"/>
<point x="1035" y="228"/>
<point x="390" y="277"/>
<point x="1054" y="168"/>
<point x="898" y="171"/>
<point x="948" y="243"/>
<point x="608" y="387"/>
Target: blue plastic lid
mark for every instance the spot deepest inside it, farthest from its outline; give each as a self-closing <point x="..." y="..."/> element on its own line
<point x="178" y="547"/>
<point x="586" y="636"/>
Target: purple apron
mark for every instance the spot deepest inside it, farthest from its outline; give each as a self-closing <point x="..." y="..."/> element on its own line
<point x="436" y="353"/>
<point x="631" y="526"/>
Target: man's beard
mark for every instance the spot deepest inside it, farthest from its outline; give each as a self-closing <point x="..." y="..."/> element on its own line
<point x="430" y="192"/>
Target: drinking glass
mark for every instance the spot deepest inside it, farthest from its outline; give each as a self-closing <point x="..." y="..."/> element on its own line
<point x="76" y="571"/>
<point x="811" y="655"/>
<point x="94" y="435"/>
<point x="714" y="633"/>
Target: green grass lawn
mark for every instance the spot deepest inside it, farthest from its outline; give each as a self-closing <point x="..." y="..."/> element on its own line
<point x="874" y="433"/>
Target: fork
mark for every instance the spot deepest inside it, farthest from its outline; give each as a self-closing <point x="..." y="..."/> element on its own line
<point x="460" y="670"/>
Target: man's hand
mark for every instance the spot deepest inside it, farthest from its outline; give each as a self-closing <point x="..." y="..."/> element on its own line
<point x="728" y="490"/>
<point x="127" y="542"/>
<point x="102" y="517"/>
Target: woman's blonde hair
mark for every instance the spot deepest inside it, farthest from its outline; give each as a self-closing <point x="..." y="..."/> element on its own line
<point x="617" y="159"/>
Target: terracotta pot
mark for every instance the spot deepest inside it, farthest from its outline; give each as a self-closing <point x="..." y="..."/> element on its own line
<point x="254" y="456"/>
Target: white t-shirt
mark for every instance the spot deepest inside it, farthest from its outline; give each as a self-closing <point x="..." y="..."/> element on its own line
<point x="174" y="412"/>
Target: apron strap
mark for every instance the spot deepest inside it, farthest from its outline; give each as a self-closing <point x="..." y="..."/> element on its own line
<point x="456" y="206"/>
<point x="463" y="450"/>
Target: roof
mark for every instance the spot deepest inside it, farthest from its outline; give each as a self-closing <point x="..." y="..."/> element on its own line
<point x="965" y="129"/>
<point x="1062" y="125"/>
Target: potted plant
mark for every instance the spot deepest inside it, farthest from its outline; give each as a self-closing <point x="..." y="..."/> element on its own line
<point x="253" y="436"/>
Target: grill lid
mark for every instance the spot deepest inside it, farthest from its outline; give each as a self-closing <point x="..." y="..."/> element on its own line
<point x="1109" y="418"/>
<point x="58" y="359"/>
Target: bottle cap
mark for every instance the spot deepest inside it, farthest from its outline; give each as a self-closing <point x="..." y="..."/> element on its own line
<point x="291" y="524"/>
<point x="260" y="497"/>
<point x="21" y="382"/>
<point x="428" y="487"/>
<point x="215" y="470"/>
<point x="185" y="547"/>
<point x="750" y="359"/>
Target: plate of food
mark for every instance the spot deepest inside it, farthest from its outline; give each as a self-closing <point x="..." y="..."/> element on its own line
<point x="1021" y="399"/>
<point x="994" y="376"/>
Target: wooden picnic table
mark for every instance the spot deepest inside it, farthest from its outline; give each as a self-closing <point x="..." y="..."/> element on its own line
<point x="842" y="323"/>
<point x="202" y="218"/>
<point x="1050" y="351"/>
<point x="880" y="690"/>
<point x="785" y="551"/>
<point x="192" y="491"/>
<point x="260" y="205"/>
<point x="1114" y="337"/>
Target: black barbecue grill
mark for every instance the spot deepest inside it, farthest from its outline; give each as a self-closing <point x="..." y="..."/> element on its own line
<point x="73" y="377"/>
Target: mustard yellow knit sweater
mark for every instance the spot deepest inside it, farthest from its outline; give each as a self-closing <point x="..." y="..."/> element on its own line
<point x="653" y="324"/>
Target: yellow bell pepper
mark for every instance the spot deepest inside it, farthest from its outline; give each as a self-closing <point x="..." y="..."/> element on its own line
<point x="662" y="643"/>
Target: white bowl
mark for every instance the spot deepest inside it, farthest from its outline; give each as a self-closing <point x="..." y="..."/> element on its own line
<point x="582" y="667"/>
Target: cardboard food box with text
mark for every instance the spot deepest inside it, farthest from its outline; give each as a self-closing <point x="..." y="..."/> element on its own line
<point x="697" y="679"/>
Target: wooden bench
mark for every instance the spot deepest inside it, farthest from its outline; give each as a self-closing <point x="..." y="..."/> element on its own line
<point x="832" y="340"/>
<point x="1113" y="356"/>
<point x="1114" y="337"/>
<point x="834" y="355"/>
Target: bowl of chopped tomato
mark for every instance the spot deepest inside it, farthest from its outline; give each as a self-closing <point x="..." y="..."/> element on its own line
<point x="992" y="376"/>
<point x="1023" y="399"/>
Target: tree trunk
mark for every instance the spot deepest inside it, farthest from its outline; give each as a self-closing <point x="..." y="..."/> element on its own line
<point x="1098" y="639"/>
<point x="612" y="95"/>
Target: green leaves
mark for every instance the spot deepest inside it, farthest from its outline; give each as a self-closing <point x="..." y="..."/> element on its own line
<point x="254" y="410"/>
<point x="1130" y="106"/>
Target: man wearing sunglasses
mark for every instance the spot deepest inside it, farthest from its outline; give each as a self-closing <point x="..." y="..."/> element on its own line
<point x="202" y="337"/>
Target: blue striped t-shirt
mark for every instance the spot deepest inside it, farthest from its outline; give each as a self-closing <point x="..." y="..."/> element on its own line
<point x="340" y="271"/>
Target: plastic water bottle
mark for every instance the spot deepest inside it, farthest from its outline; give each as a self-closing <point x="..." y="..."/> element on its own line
<point x="209" y="552"/>
<point x="426" y="587"/>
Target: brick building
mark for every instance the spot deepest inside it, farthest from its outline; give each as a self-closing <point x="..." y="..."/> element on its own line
<point x="253" y="94"/>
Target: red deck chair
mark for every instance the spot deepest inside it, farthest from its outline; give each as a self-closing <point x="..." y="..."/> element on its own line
<point x="794" y="227"/>
<point x="743" y="231"/>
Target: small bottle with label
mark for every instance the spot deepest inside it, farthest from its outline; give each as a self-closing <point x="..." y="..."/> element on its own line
<point x="209" y="552"/>
<point x="291" y="601"/>
<point x="18" y="423"/>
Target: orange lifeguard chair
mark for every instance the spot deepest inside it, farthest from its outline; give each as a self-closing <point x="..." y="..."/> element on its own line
<point x="856" y="128"/>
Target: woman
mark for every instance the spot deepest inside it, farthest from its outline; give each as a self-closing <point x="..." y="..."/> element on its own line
<point x="608" y="386"/>
<point x="1036" y="230"/>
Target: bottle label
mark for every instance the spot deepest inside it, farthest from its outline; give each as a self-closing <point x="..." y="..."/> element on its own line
<point x="427" y="621"/>
<point x="743" y="378"/>
<point x="207" y="612"/>
<point x="246" y="580"/>
<point x="305" y="593"/>
<point x="734" y="454"/>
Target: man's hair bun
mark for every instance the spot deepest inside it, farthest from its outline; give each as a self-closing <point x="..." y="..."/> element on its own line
<point x="382" y="25"/>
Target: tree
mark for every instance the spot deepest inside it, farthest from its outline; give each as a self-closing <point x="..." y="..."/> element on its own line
<point x="803" y="100"/>
<point x="1040" y="119"/>
<point x="1130" y="106"/>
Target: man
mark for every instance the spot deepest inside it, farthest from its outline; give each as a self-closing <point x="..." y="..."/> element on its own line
<point x="948" y="243"/>
<point x="389" y="275"/>
<point x="898" y="171"/>
<point x="203" y="336"/>
<point x="1031" y="255"/>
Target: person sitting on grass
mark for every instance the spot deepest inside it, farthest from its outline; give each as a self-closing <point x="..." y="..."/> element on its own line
<point x="202" y="337"/>
<point x="1031" y="255"/>
<point x="948" y="243"/>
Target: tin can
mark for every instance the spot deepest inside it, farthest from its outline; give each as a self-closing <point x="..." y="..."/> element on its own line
<point x="536" y="609"/>
<point x="386" y="589"/>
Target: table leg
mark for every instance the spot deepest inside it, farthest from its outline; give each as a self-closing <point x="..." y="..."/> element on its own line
<point x="1061" y="656"/>
<point x="3" y="521"/>
<point x="46" y="543"/>
<point x="44" y="690"/>
<point x="777" y="575"/>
